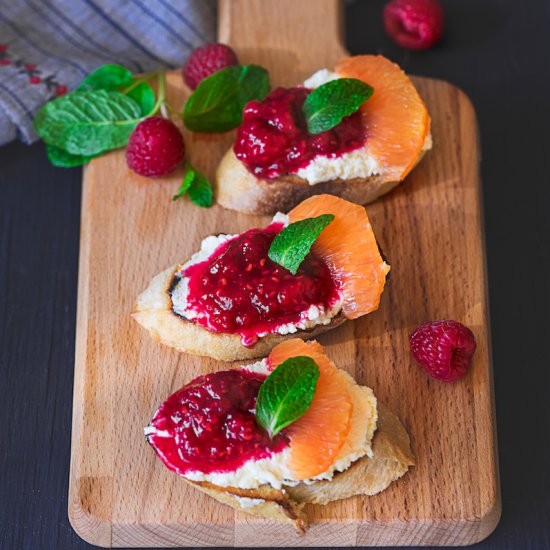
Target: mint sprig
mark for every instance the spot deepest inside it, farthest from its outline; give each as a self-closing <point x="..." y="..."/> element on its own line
<point x="286" y="393"/>
<point x="200" y="191"/>
<point x="197" y="186"/>
<point x="188" y="177"/>
<point x="326" y="106"/>
<point x="218" y="102"/>
<point x="87" y="123"/>
<point x="98" y="116"/>
<point x="292" y="244"/>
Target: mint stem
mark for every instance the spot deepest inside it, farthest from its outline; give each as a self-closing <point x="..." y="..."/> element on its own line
<point x="137" y="82"/>
<point x="161" y="94"/>
<point x="164" y="111"/>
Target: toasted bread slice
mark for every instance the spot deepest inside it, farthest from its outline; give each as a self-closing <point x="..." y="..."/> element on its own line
<point x="238" y="189"/>
<point x="153" y="310"/>
<point x="367" y="476"/>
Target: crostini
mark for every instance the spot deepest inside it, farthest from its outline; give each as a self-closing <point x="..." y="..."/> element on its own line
<point x="232" y="301"/>
<point x="212" y="433"/>
<point x="275" y="162"/>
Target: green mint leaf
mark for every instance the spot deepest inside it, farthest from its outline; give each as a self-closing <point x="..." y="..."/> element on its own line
<point x="59" y="157"/>
<point x="88" y="123"/>
<point x="286" y="393"/>
<point x="144" y="96"/>
<point x="292" y="244"/>
<point x="198" y="187"/>
<point x="218" y="102"/>
<point x="188" y="178"/>
<point x="327" y="105"/>
<point x="107" y="77"/>
<point x="200" y="191"/>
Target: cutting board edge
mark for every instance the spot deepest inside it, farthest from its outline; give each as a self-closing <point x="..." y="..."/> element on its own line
<point x="460" y="532"/>
<point x="490" y="516"/>
<point x="90" y="526"/>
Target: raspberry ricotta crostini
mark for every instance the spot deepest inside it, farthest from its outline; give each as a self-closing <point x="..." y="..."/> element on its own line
<point x="269" y="437"/>
<point x="240" y="295"/>
<point x="276" y="162"/>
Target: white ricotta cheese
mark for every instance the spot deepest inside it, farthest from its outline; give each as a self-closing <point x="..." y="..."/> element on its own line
<point x="313" y="316"/>
<point x="271" y="471"/>
<point x="353" y="164"/>
<point x="320" y="77"/>
<point x="247" y="502"/>
<point x="281" y="217"/>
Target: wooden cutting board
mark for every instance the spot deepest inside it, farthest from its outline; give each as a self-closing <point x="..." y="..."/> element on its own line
<point x="432" y="232"/>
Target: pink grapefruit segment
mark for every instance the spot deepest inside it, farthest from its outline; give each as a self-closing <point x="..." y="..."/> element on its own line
<point x="395" y="117"/>
<point x="349" y="247"/>
<point x="319" y="434"/>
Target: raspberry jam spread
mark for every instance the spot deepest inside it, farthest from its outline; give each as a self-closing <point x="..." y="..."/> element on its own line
<point x="209" y="425"/>
<point x="239" y="290"/>
<point x="273" y="137"/>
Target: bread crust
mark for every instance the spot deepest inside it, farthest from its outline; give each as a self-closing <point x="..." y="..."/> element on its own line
<point x="153" y="311"/>
<point x="238" y="189"/>
<point x="367" y="476"/>
<point x="274" y="504"/>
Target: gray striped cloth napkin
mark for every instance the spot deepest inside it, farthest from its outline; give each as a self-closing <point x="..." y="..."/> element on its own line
<point x="48" y="46"/>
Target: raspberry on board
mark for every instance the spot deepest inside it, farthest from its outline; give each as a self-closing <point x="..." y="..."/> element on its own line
<point x="155" y="147"/>
<point x="443" y="348"/>
<point x="414" y="24"/>
<point x="205" y="61"/>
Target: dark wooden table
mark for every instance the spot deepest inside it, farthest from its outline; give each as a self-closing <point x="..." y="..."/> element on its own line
<point x="497" y="51"/>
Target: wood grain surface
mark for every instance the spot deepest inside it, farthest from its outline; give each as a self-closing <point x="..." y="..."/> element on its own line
<point x="431" y="230"/>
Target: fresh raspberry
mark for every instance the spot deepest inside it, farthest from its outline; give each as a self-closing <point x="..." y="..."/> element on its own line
<point x="155" y="147"/>
<point x="414" y="24"/>
<point x="206" y="60"/>
<point x="35" y="80"/>
<point x="443" y="348"/>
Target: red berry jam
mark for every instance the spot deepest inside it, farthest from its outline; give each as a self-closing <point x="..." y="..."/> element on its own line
<point x="273" y="137"/>
<point x="239" y="290"/>
<point x="209" y="425"/>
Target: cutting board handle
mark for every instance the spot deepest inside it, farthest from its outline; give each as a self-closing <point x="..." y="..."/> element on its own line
<point x="272" y="33"/>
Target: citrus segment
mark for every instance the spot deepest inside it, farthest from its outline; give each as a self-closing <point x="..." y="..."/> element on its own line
<point x="319" y="434"/>
<point x="349" y="247"/>
<point x="395" y="117"/>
